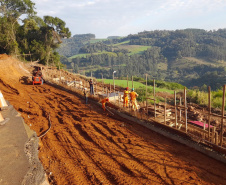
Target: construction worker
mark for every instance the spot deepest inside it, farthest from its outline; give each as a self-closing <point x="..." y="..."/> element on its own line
<point x="133" y="96"/>
<point x="86" y="95"/>
<point x="125" y="97"/>
<point x="91" y="86"/>
<point x="104" y="101"/>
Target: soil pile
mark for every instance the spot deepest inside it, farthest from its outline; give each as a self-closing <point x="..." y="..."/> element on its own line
<point x="87" y="146"/>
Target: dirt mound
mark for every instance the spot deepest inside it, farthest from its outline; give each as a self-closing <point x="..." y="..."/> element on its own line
<point x="3" y="56"/>
<point x="87" y="146"/>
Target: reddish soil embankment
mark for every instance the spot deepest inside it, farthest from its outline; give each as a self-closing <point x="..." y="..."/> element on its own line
<point x="90" y="147"/>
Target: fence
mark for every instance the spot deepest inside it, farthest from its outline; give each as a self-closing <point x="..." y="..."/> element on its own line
<point x="175" y="116"/>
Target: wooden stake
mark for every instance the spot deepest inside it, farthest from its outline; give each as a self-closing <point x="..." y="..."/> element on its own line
<point x="175" y="107"/>
<point x="222" y="120"/>
<point x="127" y="81"/>
<point x="154" y="98"/>
<point x="165" y="112"/>
<point x="119" y="98"/>
<point x="147" y="93"/>
<point x="216" y="138"/>
<point x="185" y="110"/>
<point x="95" y="90"/>
<point x="209" y="97"/>
<point x="102" y="82"/>
<point x="180" y="109"/>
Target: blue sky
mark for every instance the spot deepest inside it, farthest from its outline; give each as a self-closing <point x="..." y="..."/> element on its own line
<point x="123" y="17"/>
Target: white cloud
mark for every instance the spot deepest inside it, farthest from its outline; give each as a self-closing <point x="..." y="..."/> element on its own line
<point x="122" y="17"/>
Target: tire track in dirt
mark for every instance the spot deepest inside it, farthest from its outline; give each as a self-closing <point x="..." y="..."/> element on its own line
<point x="113" y="139"/>
<point x="88" y="138"/>
<point x="74" y="117"/>
<point x="133" y="161"/>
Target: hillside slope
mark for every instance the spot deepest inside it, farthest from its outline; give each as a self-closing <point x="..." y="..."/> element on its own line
<point x="190" y="57"/>
<point x="86" y="146"/>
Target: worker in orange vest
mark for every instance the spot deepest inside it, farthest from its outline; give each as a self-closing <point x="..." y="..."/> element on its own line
<point x="125" y="97"/>
<point x="133" y="99"/>
<point x="104" y="101"/>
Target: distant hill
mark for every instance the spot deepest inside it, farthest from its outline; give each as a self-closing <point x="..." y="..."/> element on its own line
<point x="189" y="56"/>
<point x="113" y="37"/>
<point x="71" y="46"/>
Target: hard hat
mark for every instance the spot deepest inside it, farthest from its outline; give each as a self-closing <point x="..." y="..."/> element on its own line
<point x="107" y="99"/>
<point x="132" y="89"/>
<point x="85" y="88"/>
<point x="127" y="88"/>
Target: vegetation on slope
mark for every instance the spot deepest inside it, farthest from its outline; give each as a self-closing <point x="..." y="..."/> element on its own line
<point x="35" y="38"/>
<point x="184" y="56"/>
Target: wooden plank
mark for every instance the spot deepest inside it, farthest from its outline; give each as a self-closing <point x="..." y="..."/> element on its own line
<point x="217" y="115"/>
<point x="160" y="120"/>
<point x="197" y="129"/>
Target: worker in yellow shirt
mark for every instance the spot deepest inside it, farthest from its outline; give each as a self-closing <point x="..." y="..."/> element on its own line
<point x="104" y="101"/>
<point x="133" y="98"/>
<point x="125" y="97"/>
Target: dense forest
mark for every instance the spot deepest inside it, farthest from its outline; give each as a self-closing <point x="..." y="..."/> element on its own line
<point x="191" y="57"/>
<point x="25" y="35"/>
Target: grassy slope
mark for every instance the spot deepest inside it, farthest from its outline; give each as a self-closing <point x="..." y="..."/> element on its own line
<point x="137" y="85"/>
<point x="134" y="49"/>
<point x="87" y="54"/>
<point x="188" y="62"/>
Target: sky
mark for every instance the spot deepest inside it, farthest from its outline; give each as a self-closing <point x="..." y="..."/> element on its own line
<point x="123" y="17"/>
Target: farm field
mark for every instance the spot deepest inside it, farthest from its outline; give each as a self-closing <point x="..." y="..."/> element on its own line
<point x="134" y="49"/>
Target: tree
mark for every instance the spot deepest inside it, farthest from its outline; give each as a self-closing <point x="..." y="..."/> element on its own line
<point x="53" y="31"/>
<point x="10" y="12"/>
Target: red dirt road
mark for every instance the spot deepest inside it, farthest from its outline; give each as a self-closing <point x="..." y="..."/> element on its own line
<point x="89" y="147"/>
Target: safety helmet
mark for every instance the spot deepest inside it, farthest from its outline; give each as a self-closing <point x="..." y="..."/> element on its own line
<point x="107" y="99"/>
<point x="132" y="89"/>
<point x="127" y="88"/>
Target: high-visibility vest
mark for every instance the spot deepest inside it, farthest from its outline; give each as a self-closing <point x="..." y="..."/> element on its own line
<point x="126" y="93"/>
<point x="133" y="95"/>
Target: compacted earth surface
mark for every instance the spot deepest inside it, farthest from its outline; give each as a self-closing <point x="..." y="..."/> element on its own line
<point x="86" y="146"/>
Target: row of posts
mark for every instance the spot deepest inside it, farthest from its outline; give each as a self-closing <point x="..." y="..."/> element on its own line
<point x="180" y="106"/>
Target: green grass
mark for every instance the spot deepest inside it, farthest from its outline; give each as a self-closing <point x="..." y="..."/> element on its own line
<point x="134" y="49"/>
<point x="188" y="62"/>
<point x="201" y="98"/>
<point x="137" y="85"/>
<point x="121" y="43"/>
<point x="88" y="54"/>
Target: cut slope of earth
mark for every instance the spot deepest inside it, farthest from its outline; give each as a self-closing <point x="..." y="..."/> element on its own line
<point x="86" y="146"/>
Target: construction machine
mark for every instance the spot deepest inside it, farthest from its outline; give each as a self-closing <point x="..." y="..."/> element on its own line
<point x="38" y="78"/>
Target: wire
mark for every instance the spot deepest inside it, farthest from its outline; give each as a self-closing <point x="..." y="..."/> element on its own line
<point x="49" y="120"/>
